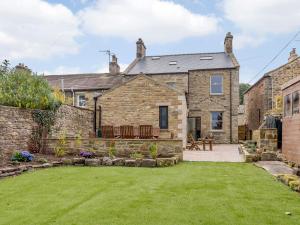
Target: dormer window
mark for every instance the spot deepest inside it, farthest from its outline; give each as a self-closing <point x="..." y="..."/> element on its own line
<point x="171" y="63"/>
<point x="206" y="58"/>
<point x="155" y="57"/>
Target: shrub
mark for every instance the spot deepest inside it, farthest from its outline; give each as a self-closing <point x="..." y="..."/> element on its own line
<point x="136" y="155"/>
<point x="23" y="156"/>
<point x="87" y="154"/>
<point x="112" y="150"/>
<point x="153" y="151"/>
<point x="60" y="149"/>
<point x="21" y="88"/>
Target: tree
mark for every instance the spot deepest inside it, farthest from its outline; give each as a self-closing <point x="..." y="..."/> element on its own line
<point x="4" y="67"/>
<point x="243" y="88"/>
<point x="21" y="88"/>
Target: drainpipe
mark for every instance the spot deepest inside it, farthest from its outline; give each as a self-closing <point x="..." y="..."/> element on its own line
<point x="230" y="106"/>
<point x="73" y="96"/>
<point x="95" y="115"/>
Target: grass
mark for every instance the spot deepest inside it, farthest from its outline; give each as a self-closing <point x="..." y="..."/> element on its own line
<point x="190" y="193"/>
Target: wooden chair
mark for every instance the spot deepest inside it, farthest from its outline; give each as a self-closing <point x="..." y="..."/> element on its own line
<point x="146" y="131"/>
<point x="107" y="131"/>
<point x="136" y="132"/>
<point x="195" y="145"/>
<point x="117" y="132"/>
<point x="156" y="132"/>
<point x="127" y="132"/>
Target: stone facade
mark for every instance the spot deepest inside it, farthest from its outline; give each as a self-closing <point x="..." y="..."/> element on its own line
<point x="137" y="102"/>
<point x="16" y="126"/>
<point x="124" y="147"/>
<point x="177" y="81"/>
<point x="261" y="97"/>
<point x="201" y="103"/>
<point x="291" y="127"/>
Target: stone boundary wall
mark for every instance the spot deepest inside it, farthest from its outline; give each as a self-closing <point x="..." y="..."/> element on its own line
<point x="124" y="147"/>
<point x="16" y="126"/>
<point x="267" y="140"/>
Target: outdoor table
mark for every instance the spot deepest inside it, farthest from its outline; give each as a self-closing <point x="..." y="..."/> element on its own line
<point x="208" y="141"/>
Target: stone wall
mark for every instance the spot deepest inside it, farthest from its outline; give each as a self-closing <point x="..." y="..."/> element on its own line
<point x="267" y="139"/>
<point x="72" y="121"/>
<point x="255" y="104"/>
<point x="177" y="81"/>
<point x="137" y="103"/>
<point x="16" y="126"/>
<point x="202" y="103"/>
<point x="124" y="147"/>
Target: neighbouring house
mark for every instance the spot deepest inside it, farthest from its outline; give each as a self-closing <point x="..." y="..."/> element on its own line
<point x="210" y="82"/>
<point x="80" y="89"/>
<point x="291" y="120"/>
<point x="242" y="128"/>
<point x="144" y="101"/>
<point x="265" y="95"/>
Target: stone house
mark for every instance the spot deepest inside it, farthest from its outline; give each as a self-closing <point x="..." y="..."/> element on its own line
<point x="291" y="120"/>
<point x="266" y="94"/>
<point x="143" y="101"/>
<point x="210" y="82"/>
<point x="80" y="89"/>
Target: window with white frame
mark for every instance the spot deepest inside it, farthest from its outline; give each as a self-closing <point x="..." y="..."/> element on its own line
<point x="216" y="84"/>
<point x="81" y="101"/>
<point x="295" y="107"/>
<point x="217" y="120"/>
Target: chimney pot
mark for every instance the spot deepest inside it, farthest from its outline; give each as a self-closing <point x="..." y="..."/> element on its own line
<point x="114" y="67"/>
<point x="293" y="55"/>
<point x="228" y="43"/>
<point x="140" y="49"/>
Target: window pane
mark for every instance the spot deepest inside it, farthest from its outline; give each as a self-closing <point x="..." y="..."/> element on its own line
<point x="163" y="117"/>
<point x="287" y="105"/>
<point x="81" y="100"/>
<point x="296" y="102"/>
<point x="217" y="120"/>
<point x="216" y="84"/>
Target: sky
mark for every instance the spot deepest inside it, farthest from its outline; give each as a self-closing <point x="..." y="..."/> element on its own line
<point x="67" y="36"/>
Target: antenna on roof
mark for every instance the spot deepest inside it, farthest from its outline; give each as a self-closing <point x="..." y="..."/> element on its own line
<point x="109" y="53"/>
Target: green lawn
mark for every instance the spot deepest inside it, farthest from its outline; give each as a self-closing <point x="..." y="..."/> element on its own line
<point x="190" y="193"/>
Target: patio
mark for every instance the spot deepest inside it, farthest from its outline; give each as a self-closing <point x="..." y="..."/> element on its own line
<point x="220" y="153"/>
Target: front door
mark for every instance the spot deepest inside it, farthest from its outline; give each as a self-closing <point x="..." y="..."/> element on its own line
<point x="194" y="127"/>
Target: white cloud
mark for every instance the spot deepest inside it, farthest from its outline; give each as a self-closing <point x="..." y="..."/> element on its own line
<point x="258" y="19"/>
<point x="36" y="29"/>
<point x="62" y="70"/>
<point x="264" y="16"/>
<point x="243" y="40"/>
<point x="154" y="20"/>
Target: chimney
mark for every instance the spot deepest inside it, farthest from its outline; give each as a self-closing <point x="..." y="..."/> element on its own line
<point x="228" y="43"/>
<point x="293" y="55"/>
<point x="21" y="66"/>
<point x="140" y="49"/>
<point x="114" y="67"/>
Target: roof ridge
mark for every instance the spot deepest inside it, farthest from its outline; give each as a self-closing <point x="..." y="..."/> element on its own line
<point x="185" y="54"/>
<point x="74" y="74"/>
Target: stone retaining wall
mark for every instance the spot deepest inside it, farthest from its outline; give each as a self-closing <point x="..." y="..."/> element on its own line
<point x="124" y="147"/>
<point x="267" y="140"/>
<point x="16" y="125"/>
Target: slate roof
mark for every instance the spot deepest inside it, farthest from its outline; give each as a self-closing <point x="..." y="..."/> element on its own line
<point x="89" y="81"/>
<point x="185" y="62"/>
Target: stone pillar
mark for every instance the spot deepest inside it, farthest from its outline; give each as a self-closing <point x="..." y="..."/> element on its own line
<point x="114" y="68"/>
<point x="228" y="43"/>
<point x="293" y="55"/>
<point x="140" y="49"/>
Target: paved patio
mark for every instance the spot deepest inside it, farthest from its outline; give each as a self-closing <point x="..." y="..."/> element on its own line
<point x="220" y="153"/>
<point x="275" y="167"/>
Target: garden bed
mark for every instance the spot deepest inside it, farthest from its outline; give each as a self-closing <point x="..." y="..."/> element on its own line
<point x="19" y="168"/>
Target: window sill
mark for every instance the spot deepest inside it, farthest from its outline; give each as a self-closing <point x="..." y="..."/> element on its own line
<point x="217" y="131"/>
<point x="215" y="94"/>
<point x="164" y="130"/>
